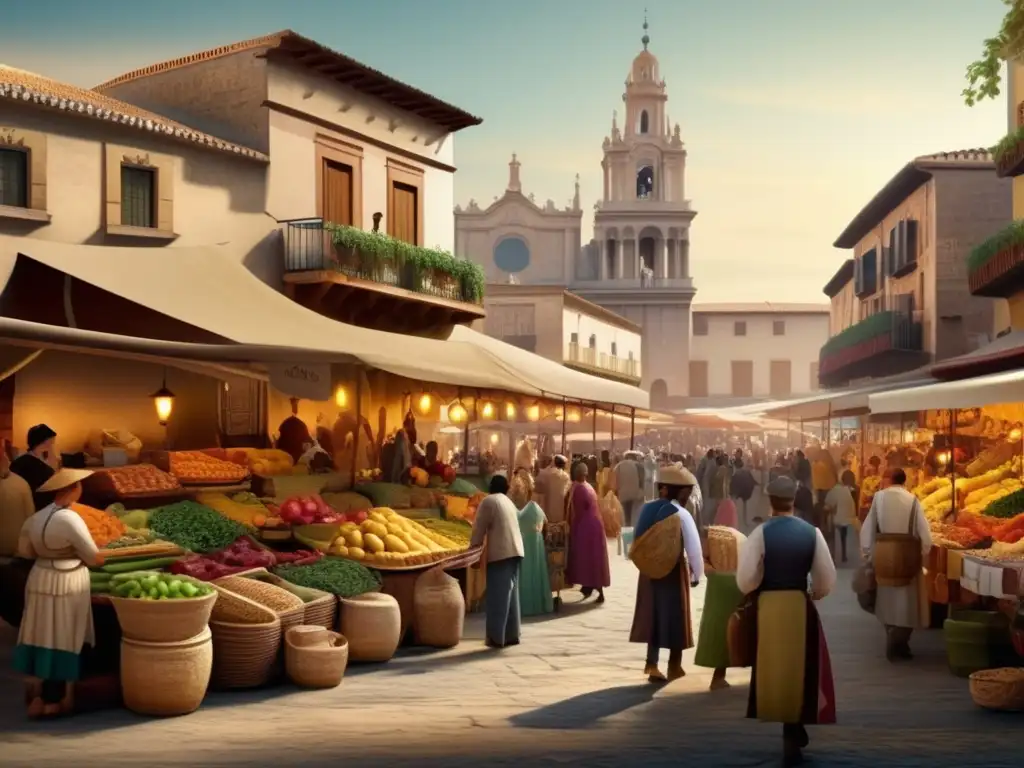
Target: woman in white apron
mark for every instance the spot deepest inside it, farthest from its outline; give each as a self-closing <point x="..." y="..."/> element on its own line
<point x="57" y="622"/>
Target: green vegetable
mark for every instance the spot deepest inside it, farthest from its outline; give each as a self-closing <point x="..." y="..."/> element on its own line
<point x="1007" y="507"/>
<point x="125" y="566"/>
<point x="136" y="519"/>
<point x="339" y="576"/>
<point x="194" y="527"/>
<point x="153" y="585"/>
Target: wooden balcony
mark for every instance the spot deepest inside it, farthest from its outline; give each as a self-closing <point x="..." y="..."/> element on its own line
<point x="996" y="267"/>
<point x="589" y="360"/>
<point x="884" y="344"/>
<point x="372" y="280"/>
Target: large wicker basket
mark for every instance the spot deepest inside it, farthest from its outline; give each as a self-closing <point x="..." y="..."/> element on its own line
<point x="897" y="559"/>
<point x="439" y="609"/>
<point x="166" y="679"/>
<point x="724" y="548"/>
<point x="315" y="657"/>
<point x="321" y="608"/>
<point x="658" y="551"/>
<point x="1001" y="689"/>
<point x="372" y="623"/>
<point x="246" y="641"/>
<point x="163" y="621"/>
<point x="288" y="607"/>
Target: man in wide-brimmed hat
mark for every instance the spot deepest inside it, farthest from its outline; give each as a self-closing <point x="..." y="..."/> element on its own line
<point x="661" y="618"/>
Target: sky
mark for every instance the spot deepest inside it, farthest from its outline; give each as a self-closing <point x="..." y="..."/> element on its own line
<point x="794" y="113"/>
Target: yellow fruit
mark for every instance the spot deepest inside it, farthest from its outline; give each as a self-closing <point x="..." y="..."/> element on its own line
<point x="349" y="527"/>
<point x="395" y="529"/>
<point x="340" y="551"/>
<point x="378" y="517"/>
<point x="373" y="543"/>
<point x="395" y="544"/>
<point x="377" y="529"/>
<point x="354" y="538"/>
<point x="414" y="546"/>
<point x="355" y="553"/>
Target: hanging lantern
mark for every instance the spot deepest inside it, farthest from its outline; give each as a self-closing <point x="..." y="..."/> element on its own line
<point x="163" y="401"/>
<point x="533" y="412"/>
<point x="573" y="415"/>
<point x="340" y="397"/>
<point x="495" y="437"/>
<point x="487" y="410"/>
<point x="510" y="411"/>
<point x="457" y="413"/>
<point x="424" y="403"/>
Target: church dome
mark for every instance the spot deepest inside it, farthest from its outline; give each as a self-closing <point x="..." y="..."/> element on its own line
<point x="645" y="68"/>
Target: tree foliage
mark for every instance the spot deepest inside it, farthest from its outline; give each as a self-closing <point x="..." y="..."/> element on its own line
<point x="985" y="75"/>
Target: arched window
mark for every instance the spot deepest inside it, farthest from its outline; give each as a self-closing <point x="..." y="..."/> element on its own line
<point x="644" y="122"/>
<point x="645" y="182"/>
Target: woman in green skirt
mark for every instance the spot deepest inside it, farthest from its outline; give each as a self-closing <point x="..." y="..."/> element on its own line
<point x="721" y="598"/>
<point x="534" y="583"/>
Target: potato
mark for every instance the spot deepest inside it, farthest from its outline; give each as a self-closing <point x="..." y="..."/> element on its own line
<point x="373" y="543"/>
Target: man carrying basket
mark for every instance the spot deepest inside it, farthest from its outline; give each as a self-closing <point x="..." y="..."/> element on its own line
<point x="667" y="552"/>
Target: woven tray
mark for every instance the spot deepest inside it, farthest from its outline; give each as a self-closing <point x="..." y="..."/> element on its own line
<point x="459" y="560"/>
<point x="153" y="549"/>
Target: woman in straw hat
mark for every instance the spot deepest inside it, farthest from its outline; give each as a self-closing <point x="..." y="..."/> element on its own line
<point x="57" y="622"/>
<point x="791" y="680"/>
<point x="661" y="617"/>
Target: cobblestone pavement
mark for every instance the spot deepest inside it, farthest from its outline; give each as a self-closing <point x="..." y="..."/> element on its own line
<point x="571" y="694"/>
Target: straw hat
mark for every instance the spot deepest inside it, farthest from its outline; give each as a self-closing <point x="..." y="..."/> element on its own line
<point x="64" y="478"/>
<point x="673" y="475"/>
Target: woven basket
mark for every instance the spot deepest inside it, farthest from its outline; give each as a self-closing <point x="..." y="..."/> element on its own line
<point x="724" y="548"/>
<point x="321" y="608"/>
<point x="372" y="623"/>
<point x="439" y="609"/>
<point x="1001" y="689"/>
<point x="287" y="607"/>
<point x="245" y="655"/>
<point x="232" y="608"/>
<point x="315" y="665"/>
<point x="658" y="551"/>
<point x="166" y="679"/>
<point x="897" y="559"/>
<point x="163" y="621"/>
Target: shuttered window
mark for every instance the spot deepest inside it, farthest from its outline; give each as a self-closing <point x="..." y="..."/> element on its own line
<point x="781" y="382"/>
<point x="698" y="378"/>
<point x="404" y="210"/>
<point x="742" y="378"/>
<point x="337" y="193"/>
<point x="14" y="178"/>
<point x="138" y="197"/>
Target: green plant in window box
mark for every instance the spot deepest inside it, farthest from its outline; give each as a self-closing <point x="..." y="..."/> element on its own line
<point x="1011" y="236"/>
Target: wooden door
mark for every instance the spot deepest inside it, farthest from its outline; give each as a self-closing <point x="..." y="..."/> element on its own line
<point x="698" y="378"/>
<point x="781" y="381"/>
<point x="402" y="223"/>
<point x="742" y="378"/>
<point x="336" y="202"/>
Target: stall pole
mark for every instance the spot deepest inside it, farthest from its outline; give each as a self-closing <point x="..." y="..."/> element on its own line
<point x="863" y="441"/>
<point x="789" y="427"/>
<point x="359" y="425"/>
<point x="632" y="427"/>
<point x="828" y="434"/>
<point x="593" y="429"/>
<point x="952" y="456"/>
<point x="565" y="418"/>
<point x="800" y="443"/>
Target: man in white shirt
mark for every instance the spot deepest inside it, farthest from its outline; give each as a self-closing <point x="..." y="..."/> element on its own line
<point x="901" y="610"/>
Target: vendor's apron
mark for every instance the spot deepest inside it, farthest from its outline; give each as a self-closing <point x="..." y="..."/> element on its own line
<point x="58" y="604"/>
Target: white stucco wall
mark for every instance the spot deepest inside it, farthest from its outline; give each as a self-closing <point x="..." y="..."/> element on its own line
<point x="804" y="335"/>
<point x="575" y="321"/>
<point x="292" y="189"/>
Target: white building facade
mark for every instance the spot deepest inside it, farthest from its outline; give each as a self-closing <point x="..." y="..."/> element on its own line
<point x="638" y="264"/>
<point x="742" y="353"/>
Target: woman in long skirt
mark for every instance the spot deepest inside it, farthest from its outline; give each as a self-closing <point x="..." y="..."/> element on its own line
<point x="721" y="598"/>
<point x="588" y="548"/>
<point x="791" y="681"/>
<point x="57" y="622"/>
<point x="534" y="582"/>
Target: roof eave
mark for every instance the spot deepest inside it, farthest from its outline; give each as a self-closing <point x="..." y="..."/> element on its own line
<point x="842" y="276"/>
<point x="900" y="186"/>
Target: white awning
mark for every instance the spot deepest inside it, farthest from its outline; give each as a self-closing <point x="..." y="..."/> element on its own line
<point x="851" y="401"/>
<point x="209" y="288"/>
<point x="995" y="389"/>
<point x="554" y="379"/>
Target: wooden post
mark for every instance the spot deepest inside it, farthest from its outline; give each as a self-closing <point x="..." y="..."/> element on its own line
<point x="828" y="433"/>
<point x="952" y="456"/>
<point x="565" y="418"/>
<point x="611" y="418"/>
<point x="632" y="427"/>
<point x="359" y="425"/>
<point x="593" y="429"/>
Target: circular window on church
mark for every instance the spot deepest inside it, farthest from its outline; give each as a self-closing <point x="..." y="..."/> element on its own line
<point x="512" y="254"/>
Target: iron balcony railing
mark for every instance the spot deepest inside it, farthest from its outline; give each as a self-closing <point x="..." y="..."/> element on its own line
<point x="880" y="333"/>
<point x="309" y="247"/>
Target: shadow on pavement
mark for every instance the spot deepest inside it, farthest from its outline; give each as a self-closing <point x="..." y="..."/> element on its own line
<point x="585" y="710"/>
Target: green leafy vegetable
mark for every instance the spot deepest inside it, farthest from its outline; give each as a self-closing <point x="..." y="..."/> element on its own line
<point x="194" y="527"/>
<point x="345" y="578"/>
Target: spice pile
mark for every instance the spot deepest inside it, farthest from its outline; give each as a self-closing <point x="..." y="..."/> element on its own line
<point x="103" y="527"/>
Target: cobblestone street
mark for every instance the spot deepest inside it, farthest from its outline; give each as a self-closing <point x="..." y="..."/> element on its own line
<point x="571" y="694"/>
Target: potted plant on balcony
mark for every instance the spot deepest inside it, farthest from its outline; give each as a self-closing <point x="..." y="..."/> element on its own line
<point x="368" y="255"/>
<point x="996" y="267"/>
<point x="1009" y="154"/>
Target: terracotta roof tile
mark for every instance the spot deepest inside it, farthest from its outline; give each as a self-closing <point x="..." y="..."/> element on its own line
<point x="28" y="87"/>
<point x="328" y="63"/>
